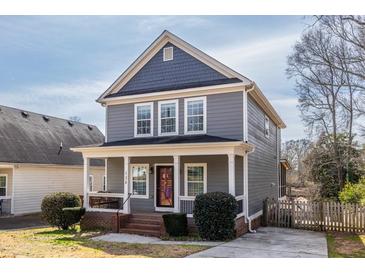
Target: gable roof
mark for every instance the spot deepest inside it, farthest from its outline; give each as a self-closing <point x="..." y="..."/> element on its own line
<point x="155" y="47"/>
<point x="28" y="137"/>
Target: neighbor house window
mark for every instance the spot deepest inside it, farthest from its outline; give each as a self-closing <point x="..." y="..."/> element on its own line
<point x="195" y="115"/>
<point x="168" y="117"/>
<point x="91" y="182"/>
<point x="3" y="184"/>
<point x="195" y="179"/>
<point x="104" y="183"/>
<point x="168" y="54"/>
<point x="143" y="124"/>
<point x="267" y="127"/>
<point x="139" y="180"/>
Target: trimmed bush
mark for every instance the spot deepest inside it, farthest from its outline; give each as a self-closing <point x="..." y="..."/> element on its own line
<point x="53" y="205"/>
<point x="73" y="214"/>
<point x="176" y="224"/>
<point x="214" y="215"/>
<point x="353" y="193"/>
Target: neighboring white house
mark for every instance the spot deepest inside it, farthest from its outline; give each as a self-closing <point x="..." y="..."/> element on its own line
<point x="35" y="159"/>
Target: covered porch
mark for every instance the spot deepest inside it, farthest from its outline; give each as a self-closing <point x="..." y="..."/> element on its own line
<point x="165" y="177"/>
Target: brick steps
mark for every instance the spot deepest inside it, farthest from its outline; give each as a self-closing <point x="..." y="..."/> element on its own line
<point x="143" y="224"/>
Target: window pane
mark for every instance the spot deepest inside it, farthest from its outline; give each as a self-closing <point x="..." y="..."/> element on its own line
<point x="195" y="189"/>
<point x="139" y="179"/>
<point x="2" y="181"/>
<point x="195" y="123"/>
<point x="144" y="127"/>
<point x="195" y="180"/>
<point x="195" y="107"/>
<point x="168" y="110"/>
<point x="2" y="192"/>
<point x="168" y="125"/>
<point x="143" y="112"/>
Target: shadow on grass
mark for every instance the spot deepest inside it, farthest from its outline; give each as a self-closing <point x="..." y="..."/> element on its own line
<point x="346" y="245"/>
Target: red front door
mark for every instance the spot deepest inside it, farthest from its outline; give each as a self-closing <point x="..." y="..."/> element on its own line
<point x="165" y="186"/>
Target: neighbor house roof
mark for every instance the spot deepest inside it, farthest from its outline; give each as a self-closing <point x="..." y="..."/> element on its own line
<point x="28" y="137"/>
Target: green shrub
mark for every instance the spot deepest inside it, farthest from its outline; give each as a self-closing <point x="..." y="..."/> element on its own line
<point x="353" y="193"/>
<point x="176" y="224"/>
<point x="52" y="206"/>
<point x="73" y="214"/>
<point x="214" y="215"/>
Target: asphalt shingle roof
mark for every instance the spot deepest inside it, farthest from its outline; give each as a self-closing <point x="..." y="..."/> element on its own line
<point x="27" y="137"/>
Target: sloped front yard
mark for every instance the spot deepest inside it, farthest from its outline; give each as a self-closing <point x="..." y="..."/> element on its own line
<point x="49" y="242"/>
<point x="344" y="245"/>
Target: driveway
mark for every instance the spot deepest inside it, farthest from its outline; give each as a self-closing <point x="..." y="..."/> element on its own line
<point x="11" y="222"/>
<point x="271" y="242"/>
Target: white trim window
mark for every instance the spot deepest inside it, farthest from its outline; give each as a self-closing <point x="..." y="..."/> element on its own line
<point x="195" y="115"/>
<point x="195" y="176"/>
<point x="168" y="117"/>
<point x="168" y="54"/>
<point x="267" y="127"/>
<point x="143" y="120"/>
<point x="3" y="185"/>
<point x="91" y="183"/>
<point x="139" y="180"/>
<point x="105" y="184"/>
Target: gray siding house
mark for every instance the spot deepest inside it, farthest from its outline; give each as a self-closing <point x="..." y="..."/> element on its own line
<point x="180" y="123"/>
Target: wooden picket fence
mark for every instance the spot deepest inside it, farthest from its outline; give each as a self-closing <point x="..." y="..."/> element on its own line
<point x="318" y="216"/>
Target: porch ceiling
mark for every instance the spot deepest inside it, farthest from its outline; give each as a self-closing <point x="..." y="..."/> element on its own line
<point x="167" y="149"/>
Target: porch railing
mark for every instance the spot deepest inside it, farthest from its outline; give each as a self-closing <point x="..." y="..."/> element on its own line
<point x="103" y="201"/>
<point x="187" y="205"/>
<point x="240" y="205"/>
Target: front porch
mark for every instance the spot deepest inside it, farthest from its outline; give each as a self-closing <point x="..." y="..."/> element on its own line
<point x="149" y="179"/>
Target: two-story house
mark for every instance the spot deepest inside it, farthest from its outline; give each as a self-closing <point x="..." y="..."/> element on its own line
<point x="180" y="123"/>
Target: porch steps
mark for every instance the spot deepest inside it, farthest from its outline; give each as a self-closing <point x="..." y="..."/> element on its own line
<point x="143" y="224"/>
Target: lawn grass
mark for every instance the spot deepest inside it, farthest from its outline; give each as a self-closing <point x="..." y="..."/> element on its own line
<point x="345" y="245"/>
<point x="53" y="243"/>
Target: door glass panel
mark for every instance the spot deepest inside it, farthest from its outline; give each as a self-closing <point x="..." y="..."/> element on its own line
<point x="165" y="187"/>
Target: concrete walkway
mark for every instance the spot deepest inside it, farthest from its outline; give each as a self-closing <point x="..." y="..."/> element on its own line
<point x="137" y="239"/>
<point x="271" y="242"/>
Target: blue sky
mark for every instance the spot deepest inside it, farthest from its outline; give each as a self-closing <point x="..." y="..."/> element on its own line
<point x="59" y="65"/>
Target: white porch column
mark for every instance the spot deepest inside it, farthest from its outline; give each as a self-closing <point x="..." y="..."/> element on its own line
<point x="176" y="183"/>
<point x="231" y="174"/>
<point x="127" y="205"/>
<point x="86" y="181"/>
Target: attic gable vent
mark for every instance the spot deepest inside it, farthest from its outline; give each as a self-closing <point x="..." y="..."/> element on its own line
<point x="168" y="54"/>
<point x="45" y="118"/>
<point x="25" y="114"/>
<point x="71" y="124"/>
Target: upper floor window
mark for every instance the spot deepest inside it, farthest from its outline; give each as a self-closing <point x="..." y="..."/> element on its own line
<point x="143" y="123"/>
<point x="168" y="112"/>
<point x="168" y="54"/>
<point x="195" y="115"/>
<point x="267" y="127"/>
<point x="3" y="184"/>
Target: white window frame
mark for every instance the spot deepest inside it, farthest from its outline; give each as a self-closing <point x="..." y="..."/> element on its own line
<point x="176" y="102"/>
<point x="164" y="54"/>
<point x="135" y="119"/>
<point x="186" y="166"/>
<point x="92" y="183"/>
<point x="147" y="166"/>
<point x="105" y="183"/>
<point x="267" y="126"/>
<point x="192" y="99"/>
<point x="6" y="184"/>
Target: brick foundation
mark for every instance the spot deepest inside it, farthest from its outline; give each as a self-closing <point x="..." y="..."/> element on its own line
<point x="100" y="220"/>
<point x="241" y="226"/>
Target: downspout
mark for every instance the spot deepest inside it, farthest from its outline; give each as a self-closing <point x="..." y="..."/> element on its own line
<point x="245" y="179"/>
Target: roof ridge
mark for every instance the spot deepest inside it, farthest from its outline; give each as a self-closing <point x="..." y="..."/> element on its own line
<point x="50" y="116"/>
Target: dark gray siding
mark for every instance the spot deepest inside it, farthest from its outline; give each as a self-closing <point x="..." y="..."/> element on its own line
<point x="263" y="162"/>
<point x="239" y="175"/>
<point x="224" y="117"/>
<point x="183" y="69"/>
<point x="115" y="174"/>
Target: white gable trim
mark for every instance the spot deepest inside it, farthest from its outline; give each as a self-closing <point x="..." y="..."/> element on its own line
<point x="151" y="51"/>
